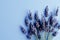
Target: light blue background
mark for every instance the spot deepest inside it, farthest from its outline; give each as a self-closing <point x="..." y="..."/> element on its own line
<point x="12" y="13"/>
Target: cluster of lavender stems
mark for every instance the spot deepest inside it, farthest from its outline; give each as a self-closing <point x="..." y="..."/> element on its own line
<point x="47" y="24"/>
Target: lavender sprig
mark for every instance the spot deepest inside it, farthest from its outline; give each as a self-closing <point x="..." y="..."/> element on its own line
<point x="37" y="26"/>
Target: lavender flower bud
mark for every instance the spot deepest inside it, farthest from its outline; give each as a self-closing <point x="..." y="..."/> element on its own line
<point x="28" y="36"/>
<point x="57" y="12"/>
<point x="30" y="15"/>
<point x="36" y="16"/>
<point x="26" y="22"/>
<point x="46" y="11"/>
<point x="23" y="30"/>
<point x="54" y="33"/>
<point x="51" y="20"/>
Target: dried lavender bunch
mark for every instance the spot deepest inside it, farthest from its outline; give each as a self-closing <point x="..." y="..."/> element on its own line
<point x="44" y="27"/>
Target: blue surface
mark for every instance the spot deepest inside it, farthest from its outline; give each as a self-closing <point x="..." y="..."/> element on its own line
<point x="12" y="13"/>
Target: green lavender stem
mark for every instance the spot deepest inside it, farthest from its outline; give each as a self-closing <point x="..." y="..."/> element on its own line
<point x="47" y="36"/>
<point x="44" y="35"/>
<point x="36" y="38"/>
<point x="50" y="36"/>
